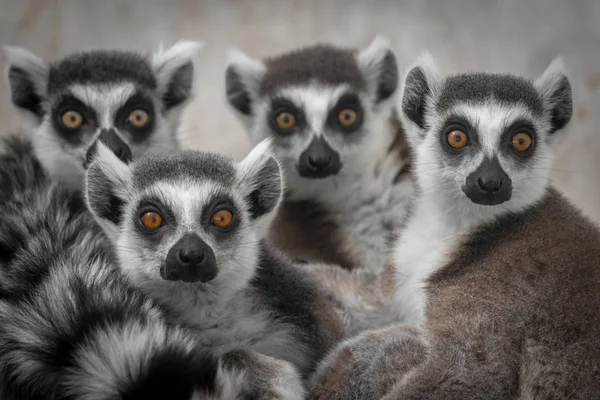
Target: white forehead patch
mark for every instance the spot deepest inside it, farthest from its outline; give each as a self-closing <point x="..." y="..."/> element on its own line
<point x="105" y="99"/>
<point x="315" y="101"/>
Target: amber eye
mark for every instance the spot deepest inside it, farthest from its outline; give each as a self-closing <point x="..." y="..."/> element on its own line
<point x="285" y="120"/>
<point x="151" y="220"/>
<point x="347" y="117"/>
<point x="457" y="139"/>
<point x="72" y="119"/>
<point x="222" y="218"/>
<point x="138" y="118"/>
<point x="521" y="142"/>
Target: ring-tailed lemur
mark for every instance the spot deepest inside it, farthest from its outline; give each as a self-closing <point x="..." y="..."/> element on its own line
<point x="72" y="326"/>
<point x="130" y="102"/>
<point x="499" y="270"/>
<point x="329" y="112"/>
<point x="187" y="228"/>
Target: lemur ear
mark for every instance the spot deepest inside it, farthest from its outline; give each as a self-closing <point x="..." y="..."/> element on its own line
<point x="261" y="179"/>
<point x="106" y="183"/>
<point x="27" y="77"/>
<point x="555" y="89"/>
<point x="417" y="92"/>
<point x="242" y="80"/>
<point x="379" y="67"/>
<point x="174" y="70"/>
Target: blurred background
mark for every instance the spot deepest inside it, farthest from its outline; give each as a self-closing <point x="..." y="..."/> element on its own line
<point x="520" y="36"/>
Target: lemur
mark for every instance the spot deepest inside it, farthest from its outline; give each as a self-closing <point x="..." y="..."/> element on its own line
<point x="497" y="275"/>
<point x="329" y="111"/>
<point x="73" y="327"/>
<point x="131" y="102"/>
<point x="187" y="228"/>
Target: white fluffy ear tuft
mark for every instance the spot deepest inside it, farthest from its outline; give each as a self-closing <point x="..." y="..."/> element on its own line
<point x="261" y="178"/>
<point x="242" y="81"/>
<point x="27" y="77"/>
<point x="174" y="70"/>
<point x="106" y="188"/>
<point x="555" y="89"/>
<point x="379" y="67"/>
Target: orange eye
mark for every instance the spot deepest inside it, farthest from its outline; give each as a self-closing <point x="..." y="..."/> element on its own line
<point x="285" y="120"/>
<point x="457" y="139"/>
<point x="72" y="119"/>
<point x="138" y="118"/>
<point x="347" y="117"/>
<point x="151" y="220"/>
<point x="222" y="218"/>
<point x="521" y="142"/>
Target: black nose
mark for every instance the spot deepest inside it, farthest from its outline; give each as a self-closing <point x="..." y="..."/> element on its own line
<point x="490" y="184"/>
<point x="319" y="160"/>
<point x="121" y="149"/>
<point x="190" y="260"/>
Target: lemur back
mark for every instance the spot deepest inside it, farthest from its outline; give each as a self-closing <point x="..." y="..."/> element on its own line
<point x="188" y="226"/>
<point x="497" y="275"/>
<point x="341" y="146"/>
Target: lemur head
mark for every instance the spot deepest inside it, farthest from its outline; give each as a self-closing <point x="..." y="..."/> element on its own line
<point x="186" y="218"/>
<point x="130" y="102"/>
<point x="325" y="107"/>
<point x="485" y="139"/>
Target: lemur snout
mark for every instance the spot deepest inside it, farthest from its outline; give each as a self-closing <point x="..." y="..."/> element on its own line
<point x="319" y="160"/>
<point x="190" y="260"/>
<point x="488" y="185"/>
<point x="116" y="144"/>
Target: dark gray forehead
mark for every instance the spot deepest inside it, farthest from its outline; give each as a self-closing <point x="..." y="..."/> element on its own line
<point x="321" y="63"/>
<point x="101" y="66"/>
<point x="478" y="87"/>
<point x="186" y="164"/>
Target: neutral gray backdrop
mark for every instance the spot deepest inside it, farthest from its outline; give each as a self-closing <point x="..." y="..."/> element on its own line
<point x="520" y="36"/>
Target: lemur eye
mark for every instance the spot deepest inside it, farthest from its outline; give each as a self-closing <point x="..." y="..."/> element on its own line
<point x="222" y="218"/>
<point x="457" y="139"/>
<point x="285" y="120"/>
<point x="138" y="118"/>
<point x="347" y="117"/>
<point x="72" y="119"/>
<point x="521" y="142"/>
<point x="151" y="220"/>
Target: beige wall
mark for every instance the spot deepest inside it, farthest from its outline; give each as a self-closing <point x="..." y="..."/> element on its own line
<point x="503" y="36"/>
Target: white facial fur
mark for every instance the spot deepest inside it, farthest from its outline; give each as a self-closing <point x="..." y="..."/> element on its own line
<point x="186" y="198"/>
<point x="442" y="213"/>
<point x="64" y="160"/>
<point x="360" y="152"/>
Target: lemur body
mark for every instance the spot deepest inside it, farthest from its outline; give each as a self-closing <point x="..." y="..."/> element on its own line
<point x="329" y="113"/>
<point x="503" y="288"/>
<point x="130" y="102"/>
<point x="204" y="259"/>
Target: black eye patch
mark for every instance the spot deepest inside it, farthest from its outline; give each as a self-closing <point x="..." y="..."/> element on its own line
<point x="351" y="102"/>
<point x="280" y="106"/>
<point x="142" y="102"/>
<point x="517" y="127"/>
<point x="67" y="102"/>
<point x="211" y="211"/>
<point x="154" y="205"/>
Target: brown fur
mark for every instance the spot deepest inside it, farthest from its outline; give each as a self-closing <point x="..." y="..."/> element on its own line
<point x="514" y="314"/>
<point x="309" y="231"/>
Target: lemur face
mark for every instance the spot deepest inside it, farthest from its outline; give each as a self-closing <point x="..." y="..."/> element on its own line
<point x="485" y="137"/>
<point x="129" y="102"/>
<point x="186" y="218"/>
<point x="323" y="106"/>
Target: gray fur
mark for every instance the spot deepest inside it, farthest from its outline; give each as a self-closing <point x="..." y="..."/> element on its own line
<point x="259" y="301"/>
<point x="506" y="295"/>
<point x="104" y="86"/>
